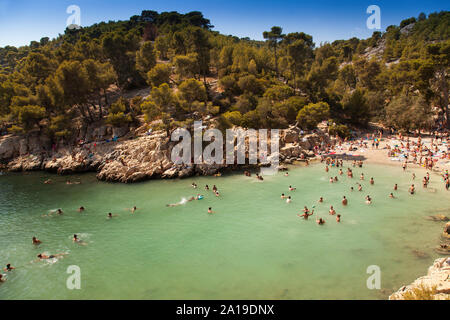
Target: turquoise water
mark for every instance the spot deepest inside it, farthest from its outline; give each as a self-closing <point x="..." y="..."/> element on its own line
<point x="253" y="247"/>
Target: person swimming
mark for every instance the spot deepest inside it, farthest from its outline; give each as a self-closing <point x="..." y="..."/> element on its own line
<point x="289" y="200"/>
<point x="305" y="215"/>
<point x="207" y="188"/>
<point x="344" y="201"/>
<point x="214" y="188"/>
<point x="283" y="196"/>
<point x="36" y="241"/>
<point x="412" y="189"/>
<point x="292" y="188"/>
<point x="43" y="256"/>
<point x="332" y="211"/>
<point x="320" y="200"/>
<point x="351" y="189"/>
<point x="361" y="177"/>
<point x="210" y="210"/>
<point x="391" y="196"/>
<point x="372" y="181"/>
<point x="331" y="180"/>
<point x="286" y="174"/>
<point x="359" y="187"/>
<point x="8" y="267"/>
<point x="338" y="218"/>
<point x="133" y="210"/>
<point x="194" y="185"/>
<point x="395" y="187"/>
<point x="80" y="209"/>
<point x="368" y="199"/>
<point x="320" y="221"/>
<point x="2" y="278"/>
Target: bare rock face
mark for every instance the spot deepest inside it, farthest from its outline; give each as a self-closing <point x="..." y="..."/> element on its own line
<point x="438" y="277"/>
<point x="9" y="147"/>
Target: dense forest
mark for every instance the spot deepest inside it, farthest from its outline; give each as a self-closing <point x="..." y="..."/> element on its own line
<point x="399" y="77"/>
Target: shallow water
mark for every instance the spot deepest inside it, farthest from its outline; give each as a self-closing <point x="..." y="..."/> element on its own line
<point x="253" y="247"/>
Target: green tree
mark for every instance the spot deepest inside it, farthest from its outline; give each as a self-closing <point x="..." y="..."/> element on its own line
<point x="312" y="114"/>
<point x="159" y="74"/>
<point x="273" y="37"/>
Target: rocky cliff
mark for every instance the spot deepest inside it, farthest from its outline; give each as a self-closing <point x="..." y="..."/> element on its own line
<point x="128" y="155"/>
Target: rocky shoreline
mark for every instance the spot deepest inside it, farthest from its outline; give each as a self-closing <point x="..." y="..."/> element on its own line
<point x="435" y="285"/>
<point x="130" y="154"/>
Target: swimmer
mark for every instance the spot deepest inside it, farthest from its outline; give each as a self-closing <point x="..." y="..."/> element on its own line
<point x="2" y="278"/>
<point x="338" y="218"/>
<point x="320" y="200"/>
<point x="391" y="196"/>
<point x="78" y="240"/>
<point x="194" y="185"/>
<point x="207" y="188"/>
<point x="336" y="179"/>
<point x="214" y="188"/>
<point x="283" y="196"/>
<point x="305" y="209"/>
<point x="326" y="169"/>
<point x="8" y="267"/>
<point x="361" y="177"/>
<point x="341" y="172"/>
<point x="80" y="209"/>
<point x="36" y="241"/>
<point x="110" y="215"/>
<point x="413" y="176"/>
<point x="344" y="201"/>
<point x="332" y="211"/>
<point x="368" y="199"/>
<point x="320" y="221"/>
<point x="216" y="193"/>
<point x="395" y="187"/>
<point x="286" y="174"/>
<point x="372" y="181"/>
<point x="412" y="189"/>
<point x="351" y="189"/>
<point x="43" y="256"/>
<point x="305" y="215"/>
<point x="289" y="200"/>
<point x="359" y="187"/>
<point x="210" y="210"/>
<point x="292" y="189"/>
<point x="331" y="180"/>
<point x="133" y="209"/>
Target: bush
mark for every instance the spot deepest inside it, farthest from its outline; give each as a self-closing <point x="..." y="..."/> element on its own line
<point x="159" y="74"/>
<point x="420" y="293"/>
<point x="340" y="130"/>
<point x="312" y="114"/>
<point x="235" y="117"/>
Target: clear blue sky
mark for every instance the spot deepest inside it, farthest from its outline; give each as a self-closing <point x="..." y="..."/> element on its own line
<point x="326" y="20"/>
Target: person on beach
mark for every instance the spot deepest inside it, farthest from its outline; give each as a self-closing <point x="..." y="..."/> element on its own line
<point x="412" y="189"/>
<point x="8" y="268"/>
<point x="36" y="241"/>
<point x="344" y="201"/>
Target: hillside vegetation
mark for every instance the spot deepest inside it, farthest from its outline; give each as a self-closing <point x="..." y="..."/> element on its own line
<point x="399" y="77"/>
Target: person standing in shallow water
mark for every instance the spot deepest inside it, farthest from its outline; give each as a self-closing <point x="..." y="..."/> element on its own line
<point x="344" y="201"/>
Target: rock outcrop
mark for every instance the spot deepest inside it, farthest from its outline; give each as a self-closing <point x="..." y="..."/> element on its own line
<point x="124" y="155"/>
<point x="437" y="281"/>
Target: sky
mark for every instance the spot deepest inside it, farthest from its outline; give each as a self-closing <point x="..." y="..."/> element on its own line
<point x="22" y="21"/>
